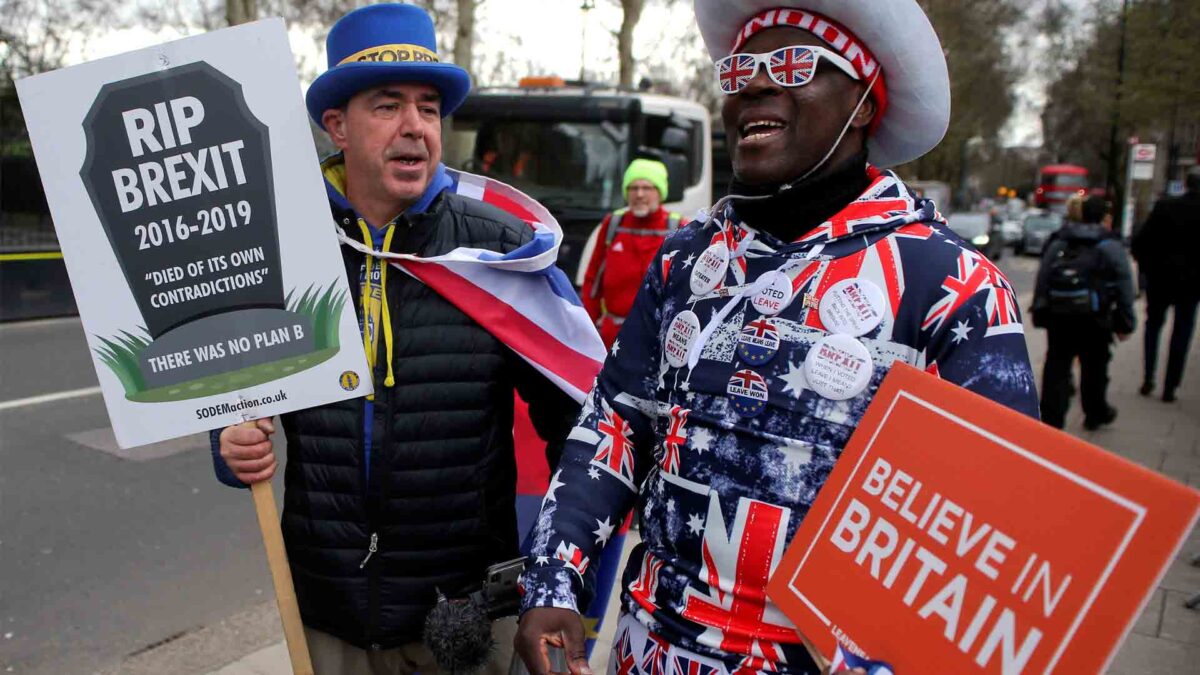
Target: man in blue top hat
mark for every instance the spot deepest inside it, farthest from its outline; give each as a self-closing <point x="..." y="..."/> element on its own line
<point x="393" y="498"/>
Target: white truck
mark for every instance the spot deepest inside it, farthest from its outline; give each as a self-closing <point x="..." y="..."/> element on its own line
<point x="567" y="145"/>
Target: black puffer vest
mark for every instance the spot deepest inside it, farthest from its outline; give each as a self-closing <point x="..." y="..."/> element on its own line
<point x="440" y="493"/>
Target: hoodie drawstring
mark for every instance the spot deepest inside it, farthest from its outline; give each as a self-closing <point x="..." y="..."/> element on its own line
<point x="390" y="380"/>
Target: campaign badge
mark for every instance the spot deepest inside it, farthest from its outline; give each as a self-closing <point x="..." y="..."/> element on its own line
<point x="852" y="307"/>
<point x="838" y="367"/>
<point x="774" y="294"/>
<point x="747" y="392"/>
<point x="682" y="333"/>
<point x="709" y="270"/>
<point x="758" y="342"/>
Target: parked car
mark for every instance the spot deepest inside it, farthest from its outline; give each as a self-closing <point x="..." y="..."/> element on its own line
<point x="1011" y="231"/>
<point x="1011" y="216"/>
<point x="981" y="231"/>
<point x="1036" y="230"/>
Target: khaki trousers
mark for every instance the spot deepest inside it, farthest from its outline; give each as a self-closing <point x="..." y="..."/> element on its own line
<point x="334" y="656"/>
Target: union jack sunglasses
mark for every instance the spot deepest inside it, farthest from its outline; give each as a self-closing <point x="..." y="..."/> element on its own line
<point x="792" y="66"/>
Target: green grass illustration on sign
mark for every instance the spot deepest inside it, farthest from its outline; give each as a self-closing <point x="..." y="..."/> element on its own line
<point x="325" y="310"/>
<point x="122" y="354"/>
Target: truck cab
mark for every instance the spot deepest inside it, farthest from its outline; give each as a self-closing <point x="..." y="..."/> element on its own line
<point x="567" y="145"/>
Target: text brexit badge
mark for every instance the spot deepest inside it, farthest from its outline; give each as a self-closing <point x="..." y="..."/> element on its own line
<point x="758" y="342"/>
<point x="747" y="392"/>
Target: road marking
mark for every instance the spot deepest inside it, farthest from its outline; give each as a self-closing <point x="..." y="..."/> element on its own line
<point x="48" y="398"/>
<point x="104" y="440"/>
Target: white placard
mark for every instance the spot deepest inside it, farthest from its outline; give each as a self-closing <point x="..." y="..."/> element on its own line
<point x="184" y="186"/>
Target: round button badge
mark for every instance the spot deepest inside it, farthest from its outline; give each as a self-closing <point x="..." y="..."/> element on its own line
<point x="852" y="307"/>
<point x="758" y="342"/>
<point x="709" y="270"/>
<point x="774" y="295"/>
<point x="681" y="334"/>
<point x="838" y="367"/>
<point x="747" y="393"/>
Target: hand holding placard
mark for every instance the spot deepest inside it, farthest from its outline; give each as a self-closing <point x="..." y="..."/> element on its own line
<point x="248" y="450"/>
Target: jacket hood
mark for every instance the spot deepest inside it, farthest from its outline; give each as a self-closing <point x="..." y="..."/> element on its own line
<point x="886" y="205"/>
<point x="1085" y="232"/>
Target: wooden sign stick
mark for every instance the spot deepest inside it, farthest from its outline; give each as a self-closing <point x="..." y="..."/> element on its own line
<point x="281" y="575"/>
<point x="817" y="657"/>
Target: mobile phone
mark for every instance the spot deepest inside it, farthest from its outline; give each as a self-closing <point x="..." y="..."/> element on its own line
<point x="500" y="587"/>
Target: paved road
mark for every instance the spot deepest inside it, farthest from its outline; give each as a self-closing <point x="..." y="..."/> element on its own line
<point x="102" y="555"/>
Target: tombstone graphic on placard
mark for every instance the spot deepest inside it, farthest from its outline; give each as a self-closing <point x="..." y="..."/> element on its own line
<point x="179" y="170"/>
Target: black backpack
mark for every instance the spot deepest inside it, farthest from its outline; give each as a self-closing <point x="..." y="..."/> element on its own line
<point x="1075" y="285"/>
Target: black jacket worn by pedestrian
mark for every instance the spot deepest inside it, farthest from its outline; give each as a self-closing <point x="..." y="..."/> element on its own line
<point x="442" y="476"/>
<point x="1165" y="247"/>
<point x="1115" y="274"/>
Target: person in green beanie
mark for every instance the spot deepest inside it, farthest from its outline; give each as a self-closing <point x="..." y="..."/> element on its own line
<point x="622" y="246"/>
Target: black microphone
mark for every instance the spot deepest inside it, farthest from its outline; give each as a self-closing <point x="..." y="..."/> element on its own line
<point x="459" y="633"/>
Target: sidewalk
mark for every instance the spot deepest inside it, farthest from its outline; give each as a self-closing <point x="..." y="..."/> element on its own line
<point x="1161" y="436"/>
<point x="1164" y="437"/>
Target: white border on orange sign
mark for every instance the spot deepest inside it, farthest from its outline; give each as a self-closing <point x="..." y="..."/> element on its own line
<point x="1138" y="511"/>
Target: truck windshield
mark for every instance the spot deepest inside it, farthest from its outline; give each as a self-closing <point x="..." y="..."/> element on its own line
<point x="564" y="165"/>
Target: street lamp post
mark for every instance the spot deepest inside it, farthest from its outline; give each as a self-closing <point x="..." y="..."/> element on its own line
<point x="1110" y="177"/>
<point x="584" y="8"/>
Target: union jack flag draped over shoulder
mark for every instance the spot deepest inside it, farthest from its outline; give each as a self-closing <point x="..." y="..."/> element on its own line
<point x="527" y="302"/>
<point x="723" y="452"/>
<point x="520" y="297"/>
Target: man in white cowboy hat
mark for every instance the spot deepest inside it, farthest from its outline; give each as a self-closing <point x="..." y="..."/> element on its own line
<point x="760" y="336"/>
<point x="394" y="497"/>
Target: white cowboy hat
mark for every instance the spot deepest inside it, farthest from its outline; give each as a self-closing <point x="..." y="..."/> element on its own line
<point x="897" y="33"/>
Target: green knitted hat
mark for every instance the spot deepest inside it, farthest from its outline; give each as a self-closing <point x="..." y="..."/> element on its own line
<point x="646" y="169"/>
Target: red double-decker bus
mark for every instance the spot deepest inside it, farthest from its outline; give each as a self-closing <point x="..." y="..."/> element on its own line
<point x="1057" y="183"/>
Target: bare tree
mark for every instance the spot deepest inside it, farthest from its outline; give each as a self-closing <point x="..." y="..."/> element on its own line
<point x="632" y="13"/>
<point x="464" y="36"/>
<point x="1160" y="88"/>
<point x="240" y="11"/>
<point x="36" y="35"/>
<point x="974" y="37"/>
<point x="184" y="15"/>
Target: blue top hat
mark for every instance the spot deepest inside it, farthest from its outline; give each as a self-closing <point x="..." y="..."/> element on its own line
<point x="379" y="44"/>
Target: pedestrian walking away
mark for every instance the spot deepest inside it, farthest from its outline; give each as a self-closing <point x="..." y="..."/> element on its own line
<point x="1084" y="300"/>
<point x="1163" y="247"/>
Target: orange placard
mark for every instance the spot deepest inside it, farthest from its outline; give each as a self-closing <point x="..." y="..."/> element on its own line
<point x="955" y="535"/>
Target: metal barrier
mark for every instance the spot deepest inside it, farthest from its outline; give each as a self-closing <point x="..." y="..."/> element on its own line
<point x="33" y="277"/>
<point x="34" y="285"/>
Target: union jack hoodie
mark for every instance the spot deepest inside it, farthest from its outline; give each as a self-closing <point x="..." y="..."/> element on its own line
<point x="720" y="480"/>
